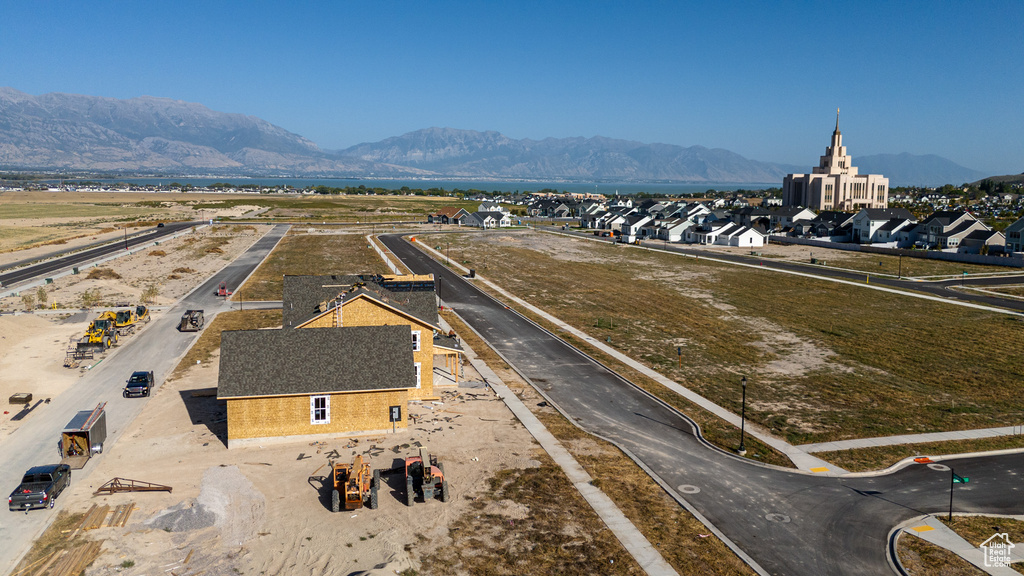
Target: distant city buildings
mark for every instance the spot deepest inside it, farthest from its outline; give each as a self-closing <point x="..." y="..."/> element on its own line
<point x="834" y="184"/>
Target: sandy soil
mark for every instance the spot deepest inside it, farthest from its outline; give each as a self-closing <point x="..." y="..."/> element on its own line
<point x="264" y="510"/>
<point x="33" y="346"/>
<point x="259" y="509"/>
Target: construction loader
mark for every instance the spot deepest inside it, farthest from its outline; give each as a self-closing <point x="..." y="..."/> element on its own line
<point x="127" y="319"/>
<point x="354" y="483"/>
<point x="101" y="333"/>
<point x="425" y="474"/>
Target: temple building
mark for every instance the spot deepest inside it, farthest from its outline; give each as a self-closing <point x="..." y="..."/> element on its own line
<point x="834" y="184"/>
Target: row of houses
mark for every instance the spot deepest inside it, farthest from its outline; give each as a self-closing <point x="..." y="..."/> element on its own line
<point x="486" y="216"/>
<point x="749" y="226"/>
<point x="947" y="230"/>
<point x="709" y="223"/>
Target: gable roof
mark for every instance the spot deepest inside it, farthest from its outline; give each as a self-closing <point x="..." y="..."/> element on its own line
<point x="893" y="223"/>
<point x="450" y="211"/>
<point x="878" y="214"/>
<point x="303" y="295"/>
<point x="315" y="361"/>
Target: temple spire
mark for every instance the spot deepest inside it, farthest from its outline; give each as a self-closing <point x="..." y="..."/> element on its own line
<point x="837" y="121"/>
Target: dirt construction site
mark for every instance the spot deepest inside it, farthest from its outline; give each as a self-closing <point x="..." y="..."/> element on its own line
<point x="253" y="510"/>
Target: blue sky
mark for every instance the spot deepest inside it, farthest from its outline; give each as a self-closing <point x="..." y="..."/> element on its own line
<point x="761" y="79"/>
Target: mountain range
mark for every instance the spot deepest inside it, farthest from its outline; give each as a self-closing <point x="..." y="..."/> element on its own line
<point x="163" y="136"/>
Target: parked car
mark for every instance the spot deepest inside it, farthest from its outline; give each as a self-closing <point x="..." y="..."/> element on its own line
<point x="140" y="383"/>
<point x="40" y="487"/>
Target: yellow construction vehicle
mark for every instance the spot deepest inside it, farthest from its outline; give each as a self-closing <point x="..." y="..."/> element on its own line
<point x="127" y="319"/>
<point x="352" y="483"/>
<point x="101" y="333"/>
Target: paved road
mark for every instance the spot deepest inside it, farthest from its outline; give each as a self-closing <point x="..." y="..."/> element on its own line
<point x="942" y="288"/>
<point x="64" y="262"/>
<point x="157" y="347"/>
<point x="790" y="523"/>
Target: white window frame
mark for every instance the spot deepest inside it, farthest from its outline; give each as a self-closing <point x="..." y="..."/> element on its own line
<point x="326" y="418"/>
<point x="418" y="382"/>
<point x="416" y="341"/>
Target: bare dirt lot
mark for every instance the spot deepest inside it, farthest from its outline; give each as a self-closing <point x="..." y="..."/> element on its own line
<point x="266" y="510"/>
<point x="33" y="346"/>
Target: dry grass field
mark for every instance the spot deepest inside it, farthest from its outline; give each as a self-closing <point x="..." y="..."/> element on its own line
<point x="925" y="559"/>
<point x="334" y="208"/>
<point x="922" y="558"/>
<point x="824" y="361"/>
<point x="317" y="252"/>
<point x="879" y="457"/>
<point x="681" y="539"/>
<point x="889" y="265"/>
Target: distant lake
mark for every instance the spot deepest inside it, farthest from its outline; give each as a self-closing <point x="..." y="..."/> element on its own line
<point x="606" y="188"/>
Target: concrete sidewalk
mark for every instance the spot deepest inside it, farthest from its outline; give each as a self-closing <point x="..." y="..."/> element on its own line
<point x="801" y="458"/>
<point x="931" y="529"/>
<point x="632" y="539"/>
<point x="912" y="439"/>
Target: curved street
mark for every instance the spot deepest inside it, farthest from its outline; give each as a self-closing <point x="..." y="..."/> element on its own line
<point x="789" y="522"/>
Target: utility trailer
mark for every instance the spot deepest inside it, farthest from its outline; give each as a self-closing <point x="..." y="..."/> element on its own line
<point x="191" y="321"/>
<point x="83" y="436"/>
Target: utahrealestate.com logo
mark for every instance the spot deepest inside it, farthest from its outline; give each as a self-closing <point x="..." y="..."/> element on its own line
<point x="997" y="550"/>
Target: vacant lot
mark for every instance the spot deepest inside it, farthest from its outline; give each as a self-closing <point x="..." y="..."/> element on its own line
<point x="680" y="538"/>
<point x="824" y="361"/>
<point x="311" y="252"/>
<point x="335" y="208"/>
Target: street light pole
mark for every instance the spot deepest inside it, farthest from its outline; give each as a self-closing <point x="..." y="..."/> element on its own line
<point x="125" y="236"/>
<point x="952" y="480"/>
<point x="743" y="417"/>
<point x="447" y="253"/>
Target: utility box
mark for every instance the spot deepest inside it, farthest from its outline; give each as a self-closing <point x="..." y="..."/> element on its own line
<point x="83" y="436"/>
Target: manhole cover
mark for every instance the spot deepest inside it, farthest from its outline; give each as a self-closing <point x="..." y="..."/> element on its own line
<point x="688" y="489"/>
<point x="939" y="467"/>
<point x="780" y="518"/>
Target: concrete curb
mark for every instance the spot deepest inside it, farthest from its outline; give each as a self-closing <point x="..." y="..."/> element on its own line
<point x="910" y="460"/>
<point x="631" y="538"/>
<point x="671" y="492"/>
<point x="932" y="530"/>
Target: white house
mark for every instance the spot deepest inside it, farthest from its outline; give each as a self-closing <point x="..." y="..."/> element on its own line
<point x="489" y="220"/>
<point x="674" y="229"/>
<point x="725" y="233"/>
<point x="875" y="225"/>
<point x="630" y="229"/>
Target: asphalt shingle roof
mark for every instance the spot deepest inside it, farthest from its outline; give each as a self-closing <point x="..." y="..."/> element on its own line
<point x="315" y="361"/>
<point x="303" y="295"/>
